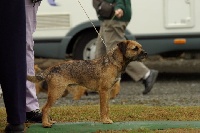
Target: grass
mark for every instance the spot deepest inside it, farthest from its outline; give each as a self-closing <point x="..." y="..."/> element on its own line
<point x="119" y="113"/>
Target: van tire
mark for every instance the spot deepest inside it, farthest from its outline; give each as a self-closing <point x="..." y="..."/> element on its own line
<point x="81" y="43"/>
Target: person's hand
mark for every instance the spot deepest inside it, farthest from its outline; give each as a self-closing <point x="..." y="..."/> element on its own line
<point x="119" y="13"/>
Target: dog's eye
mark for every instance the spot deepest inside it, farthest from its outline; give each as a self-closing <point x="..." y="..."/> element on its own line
<point x="135" y="49"/>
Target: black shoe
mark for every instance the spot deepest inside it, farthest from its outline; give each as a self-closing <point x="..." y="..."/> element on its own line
<point x="149" y="82"/>
<point x="14" y="128"/>
<point x="34" y="116"/>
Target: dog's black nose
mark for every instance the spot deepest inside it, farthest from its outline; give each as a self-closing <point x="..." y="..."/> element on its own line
<point x="143" y="53"/>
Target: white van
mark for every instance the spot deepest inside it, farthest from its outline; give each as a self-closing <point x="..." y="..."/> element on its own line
<point x="165" y="27"/>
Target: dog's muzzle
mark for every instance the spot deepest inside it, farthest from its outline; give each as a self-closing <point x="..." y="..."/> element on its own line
<point x="142" y="55"/>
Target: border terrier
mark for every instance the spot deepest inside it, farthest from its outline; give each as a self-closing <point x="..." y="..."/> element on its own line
<point x="99" y="75"/>
<point x="76" y="91"/>
<point x="42" y="86"/>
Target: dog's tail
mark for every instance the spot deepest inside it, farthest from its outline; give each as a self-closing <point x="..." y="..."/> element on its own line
<point x="39" y="76"/>
<point x="34" y="79"/>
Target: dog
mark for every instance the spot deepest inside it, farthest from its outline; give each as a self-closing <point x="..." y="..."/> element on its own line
<point x="76" y="92"/>
<point x="99" y="75"/>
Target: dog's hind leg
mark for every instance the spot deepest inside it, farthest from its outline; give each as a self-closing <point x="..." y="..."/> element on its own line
<point x="45" y="112"/>
<point x="55" y="91"/>
<point x="104" y="106"/>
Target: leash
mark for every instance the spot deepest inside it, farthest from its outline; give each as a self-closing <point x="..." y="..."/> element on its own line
<point x="93" y="24"/>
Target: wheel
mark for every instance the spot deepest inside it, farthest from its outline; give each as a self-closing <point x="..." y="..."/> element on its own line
<point x="85" y="46"/>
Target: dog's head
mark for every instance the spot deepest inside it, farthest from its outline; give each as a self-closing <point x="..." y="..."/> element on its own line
<point x="132" y="50"/>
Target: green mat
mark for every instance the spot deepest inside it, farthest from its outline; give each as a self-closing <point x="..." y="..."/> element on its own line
<point x="89" y="127"/>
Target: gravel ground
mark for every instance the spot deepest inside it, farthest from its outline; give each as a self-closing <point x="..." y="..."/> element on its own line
<point x="169" y="90"/>
<point x="178" y="84"/>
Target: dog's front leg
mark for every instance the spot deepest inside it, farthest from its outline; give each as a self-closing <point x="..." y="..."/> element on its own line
<point x="104" y="106"/>
<point x="115" y="90"/>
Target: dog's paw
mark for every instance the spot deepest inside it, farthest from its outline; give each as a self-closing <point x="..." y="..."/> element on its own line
<point x="107" y="121"/>
<point x="47" y="125"/>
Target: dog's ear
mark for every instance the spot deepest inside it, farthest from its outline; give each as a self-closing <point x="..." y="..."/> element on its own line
<point x="122" y="46"/>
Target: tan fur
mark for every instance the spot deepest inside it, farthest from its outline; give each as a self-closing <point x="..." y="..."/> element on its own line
<point x="76" y="91"/>
<point x="98" y="75"/>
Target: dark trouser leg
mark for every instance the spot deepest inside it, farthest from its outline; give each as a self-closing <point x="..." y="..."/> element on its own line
<point x="13" y="59"/>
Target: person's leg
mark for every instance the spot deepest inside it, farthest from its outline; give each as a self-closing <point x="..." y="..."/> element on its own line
<point x="114" y="32"/>
<point x="13" y="63"/>
<point x="13" y="68"/>
<point x="1" y="92"/>
<point x="32" y="105"/>
<point x="136" y="70"/>
<point x="100" y="46"/>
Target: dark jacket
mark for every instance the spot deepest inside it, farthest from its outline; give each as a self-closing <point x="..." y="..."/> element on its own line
<point x="125" y="5"/>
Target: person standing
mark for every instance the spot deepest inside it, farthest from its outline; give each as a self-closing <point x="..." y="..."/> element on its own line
<point x="13" y="63"/>
<point x="33" y="113"/>
<point x="112" y="32"/>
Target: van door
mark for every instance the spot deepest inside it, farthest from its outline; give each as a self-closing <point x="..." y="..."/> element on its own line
<point x="178" y="13"/>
